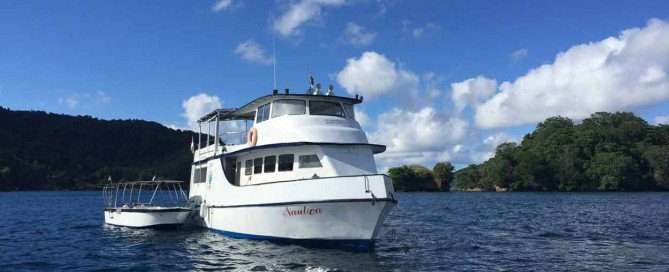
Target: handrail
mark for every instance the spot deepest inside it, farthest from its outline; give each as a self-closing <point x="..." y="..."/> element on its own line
<point x="319" y="178"/>
<point x="173" y="189"/>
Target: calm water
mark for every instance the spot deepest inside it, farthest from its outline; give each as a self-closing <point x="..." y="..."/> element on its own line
<point x="429" y="232"/>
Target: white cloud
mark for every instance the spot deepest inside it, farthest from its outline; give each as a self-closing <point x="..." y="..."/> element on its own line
<point x="519" y="54"/>
<point x="477" y="149"/>
<point x="373" y="74"/>
<point x="419" y="31"/>
<point x="71" y="101"/>
<point x="432" y="86"/>
<point x="101" y="97"/>
<point x="664" y="120"/>
<point x="472" y="91"/>
<point x="490" y="144"/>
<point x="357" y="35"/>
<point x="417" y="131"/>
<point x="361" y="117"/>
<point x="253" y="52"/>
<point x="221" y="5"/>
<point x="197" y="106"/>
<point x="300" y="12"/>
<point x="84" y="99"/>
<point x="617" y="73"/>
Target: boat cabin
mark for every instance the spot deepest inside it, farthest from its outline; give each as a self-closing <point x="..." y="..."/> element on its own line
<point x="282" y="137"/>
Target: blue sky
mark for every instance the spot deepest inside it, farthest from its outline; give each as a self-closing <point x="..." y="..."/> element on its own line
<point x="165" y="61"/>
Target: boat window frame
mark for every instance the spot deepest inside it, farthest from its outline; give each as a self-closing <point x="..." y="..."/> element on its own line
<point x="257" y="167"/>
<point x="263" y="113"/>
<point x="248" y="167"/>
<point x="199" y="174"/>
<point x="266" y="159"/>
<point x="302" y="163"/>
<point x="343" y="113"/>
<point x="292" y="164"/>
<point x="304" y="103"/>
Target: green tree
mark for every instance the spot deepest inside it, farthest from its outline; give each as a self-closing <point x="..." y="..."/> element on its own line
<point x="658" y="158"/>
<point x="468" y="178"/>
<point x="614" y="171"/>
<point x="443" y="175"/>
<point x="498" y="171"/>
<point x="412" y="178"/>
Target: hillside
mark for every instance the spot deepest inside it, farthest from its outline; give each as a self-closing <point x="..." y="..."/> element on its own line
<point x="606" y="152"/>
<point x="45" y="151"/>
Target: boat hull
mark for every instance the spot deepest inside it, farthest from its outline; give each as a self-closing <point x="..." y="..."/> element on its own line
<point x="324" y="211"/>
<point x="347" y="223"/>
<point x="146" y="218"/>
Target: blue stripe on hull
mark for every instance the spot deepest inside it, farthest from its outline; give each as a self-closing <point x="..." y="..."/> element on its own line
<point x="351" y="244"/>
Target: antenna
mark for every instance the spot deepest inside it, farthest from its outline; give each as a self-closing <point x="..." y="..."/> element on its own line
<point x="312" y="84"/>
<point x="274" y="56"/>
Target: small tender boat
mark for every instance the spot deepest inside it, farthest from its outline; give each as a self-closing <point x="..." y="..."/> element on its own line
<point x="125" y="205"/>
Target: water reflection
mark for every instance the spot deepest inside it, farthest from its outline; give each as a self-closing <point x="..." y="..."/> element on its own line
<point x="210" y="250"/>
<point x="192" y="248"/>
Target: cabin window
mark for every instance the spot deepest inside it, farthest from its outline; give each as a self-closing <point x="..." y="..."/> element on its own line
<point x="350" y="113"/>
<point x="270" y="164"/>
<point x="263" y="113"/>
<point x="288" y="107"/>
<point x="325" y="108"/>
<point x="286" y="162"/>
<point x="200" y="175"/>
<point x="309" y="161"/>
<point x="257" y="166"/>
<point x="248" y="164"/>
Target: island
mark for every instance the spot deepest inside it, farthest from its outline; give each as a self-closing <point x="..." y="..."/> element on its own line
<point x="605" y="152"/>
<point x="46" y="151"/>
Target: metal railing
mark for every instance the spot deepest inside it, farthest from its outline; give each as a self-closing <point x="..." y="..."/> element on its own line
<point x="129" y="194"/>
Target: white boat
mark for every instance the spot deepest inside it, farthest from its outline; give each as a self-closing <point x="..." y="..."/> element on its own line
<point x="290" y="168"/>
<point x="126" y="206"/>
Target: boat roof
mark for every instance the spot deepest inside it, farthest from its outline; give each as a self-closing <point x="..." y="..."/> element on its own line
<point x="247" y="112"/>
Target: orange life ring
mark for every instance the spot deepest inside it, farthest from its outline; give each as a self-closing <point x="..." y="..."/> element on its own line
<point x="252" y="137"/>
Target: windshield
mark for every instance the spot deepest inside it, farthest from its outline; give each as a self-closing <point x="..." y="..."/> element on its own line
<point x="288" y="107"/>
<point x="325" y="108"/>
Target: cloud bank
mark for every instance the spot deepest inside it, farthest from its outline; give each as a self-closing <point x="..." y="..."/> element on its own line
<point x="616" y="73"/>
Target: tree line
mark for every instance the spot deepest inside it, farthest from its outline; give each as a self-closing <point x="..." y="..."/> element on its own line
<point x="605" y="152"/>
<point x="46" y="151"/>
<point x="416" y="178"/>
